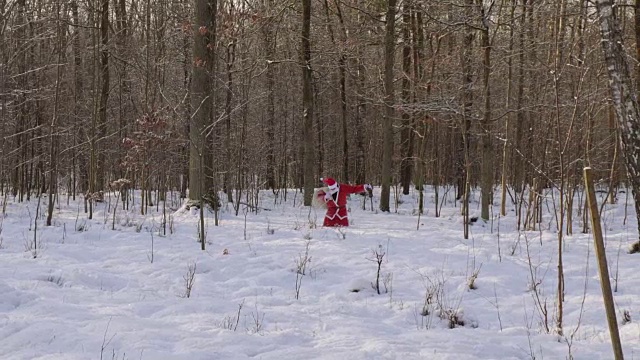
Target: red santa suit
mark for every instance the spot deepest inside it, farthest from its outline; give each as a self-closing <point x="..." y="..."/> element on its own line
<point x="335" y="197"/>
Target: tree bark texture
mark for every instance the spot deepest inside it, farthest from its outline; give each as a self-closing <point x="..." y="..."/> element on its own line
<point x="202" y="98"/>
<point x="307" y="106"/>
<point x="406" y="134"/>
<point x="104" y="95"/>
<point x="389" y="99"/>
<point x="486" y="125"/>
<point x="623" y="95"/>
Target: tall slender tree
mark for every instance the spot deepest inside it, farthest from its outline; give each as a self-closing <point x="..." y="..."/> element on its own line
<point x="307" y="105"/>
<point x="487" y="180"/>
<point x="104" y="94"/>
<point x="202" y="98"/>
<point x="389" y="99"/>
<point x="464" y="156"/>
<point x="623" y="96"/>
<point x="407" y="133"/>
<point x="53" y="125"/>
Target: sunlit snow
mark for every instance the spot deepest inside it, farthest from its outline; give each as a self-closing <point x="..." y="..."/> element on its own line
<point x="93" y="293"/>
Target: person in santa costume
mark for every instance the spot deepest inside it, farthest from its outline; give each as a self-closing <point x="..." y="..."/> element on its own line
<point x="334" y="197"/>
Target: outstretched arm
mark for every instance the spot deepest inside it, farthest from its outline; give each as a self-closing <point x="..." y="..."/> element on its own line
<point x="354" y="189"/>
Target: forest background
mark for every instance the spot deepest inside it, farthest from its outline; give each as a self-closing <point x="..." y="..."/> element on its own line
<point x="219" y="95"/>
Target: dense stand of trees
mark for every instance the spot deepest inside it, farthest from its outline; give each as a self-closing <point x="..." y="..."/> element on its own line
<point x="205" y="97"/>
<point x="216" y="95"/>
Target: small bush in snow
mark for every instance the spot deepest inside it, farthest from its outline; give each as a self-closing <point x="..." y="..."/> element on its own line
<point x="231" y="322"/>
<point x="378" y="257"/>
<point x="257" y="321"/>
<point x="55" y="279"/>
<point x="471" y="283"/>
<point x="270" y="230"/>
<point x="82" y="227"/>
<point x="189" y="279"/>
<point x="626" y="317"/>
<point x="454" y="317"/>
<point x="387" y="282"/>
<point x="301" y="267"/>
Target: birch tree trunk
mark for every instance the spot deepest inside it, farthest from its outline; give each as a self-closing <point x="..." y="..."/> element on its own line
<point x="636" y="18"/>
<point x="623" y="95"/>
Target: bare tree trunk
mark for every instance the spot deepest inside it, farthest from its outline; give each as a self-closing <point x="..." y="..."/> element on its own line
<point x="22" y="118"/>
<point x="637" y="36"/>
<point x="406" y="134"/>
<point x="104" y="93"/>
<point x="186" y="81"/>
<point x="53" y="136"/>
<point x="147" y="67"/>
<point x="200" y="171"/>
<point x="3" y="102"/>
<point x="389" y="99"/>
<point x="270" y="53"/>
<point x="507" y="136"/>
<point x="344" y="117"/>
<point x="464" y="171"/>
<point x="623" y="95"/>
<point x="77" y="157"/>
<point x="307" y="105"/>
<point x="360" y="113"/>
<point x="518" y="163"/>
<point x="418" y="40"/>
<point x="342" y="80"/>
<point x="557" y="67"/>
<point x="487" y="135"/>
<point x="231" y="56"/>
<point x="124" y="87"/>
<point x="93" y="138"/>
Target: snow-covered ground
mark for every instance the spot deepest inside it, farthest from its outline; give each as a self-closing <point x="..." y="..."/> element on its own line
<point x="94" y="293"/>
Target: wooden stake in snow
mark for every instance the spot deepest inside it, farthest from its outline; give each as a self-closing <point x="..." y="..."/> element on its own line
<point x="602" y="265"/>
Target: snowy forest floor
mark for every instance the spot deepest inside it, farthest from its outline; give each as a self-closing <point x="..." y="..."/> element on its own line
<point x="95" y="293"/>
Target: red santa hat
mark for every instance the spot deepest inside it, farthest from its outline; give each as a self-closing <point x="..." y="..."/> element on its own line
<point x="331" y="183"/>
